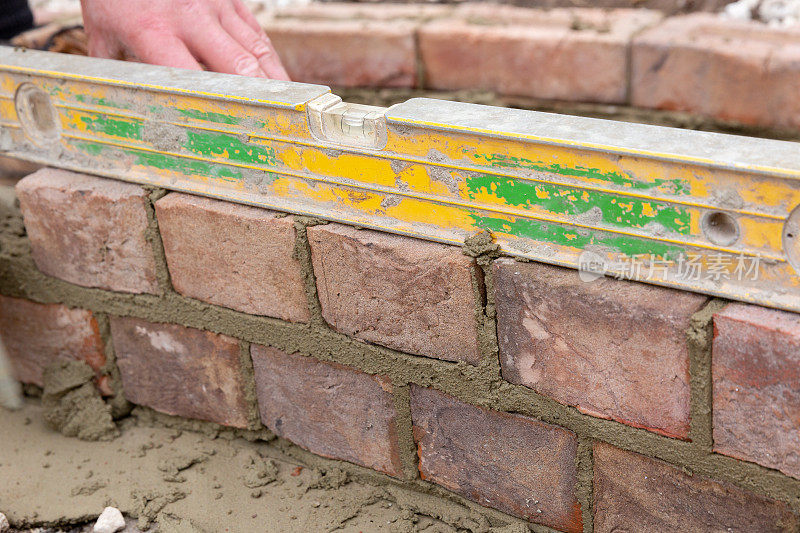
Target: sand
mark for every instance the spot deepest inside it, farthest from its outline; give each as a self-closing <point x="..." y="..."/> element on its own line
<point x="179" y="480"/>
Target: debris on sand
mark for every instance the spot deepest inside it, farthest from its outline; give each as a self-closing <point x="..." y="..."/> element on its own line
<point x="148" y="504"/>
<point x="330" y="479"/>
<point x="259" y="472"/>
<point x="173" y="466"/>
<point x="109" y="521"/>
<point x="4" y="525"/>
<point x="72" y="404"/>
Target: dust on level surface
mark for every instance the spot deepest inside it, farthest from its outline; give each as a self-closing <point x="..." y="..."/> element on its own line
<point x="173" y="480"/>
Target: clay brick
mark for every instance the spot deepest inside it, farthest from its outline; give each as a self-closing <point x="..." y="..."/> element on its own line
<point x="37" y="334"/>
<point x="634" y="493"/>
<point x="359" y="11"/>
<point x="89" y="231"/>
<point x="327" y="408"/>
<point x="756" y="386"/>
<point x="232" y="255"/>
<point x="562" y="54"/>
<point x="613" y="349"/>
<point x="180" y="371"/>
<point x="510" y="462"/>
<point x="730" y="70"/>
<point x="346" y="53"/>
<point x="399" y="292"/>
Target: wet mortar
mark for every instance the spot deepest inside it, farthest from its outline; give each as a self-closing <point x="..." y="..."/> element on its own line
<point x="435" y="509"/>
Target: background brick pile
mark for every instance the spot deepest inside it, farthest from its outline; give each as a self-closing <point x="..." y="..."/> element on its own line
<point x="604" y="406"/>
<point x="731" y="71"/>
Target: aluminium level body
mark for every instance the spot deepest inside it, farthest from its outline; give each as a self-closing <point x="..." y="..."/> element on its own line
<point x="704" y="212"/>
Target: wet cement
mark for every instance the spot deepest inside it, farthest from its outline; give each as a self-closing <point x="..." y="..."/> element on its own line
<point x="179" y="480"/>
<point x="72" y="404"/>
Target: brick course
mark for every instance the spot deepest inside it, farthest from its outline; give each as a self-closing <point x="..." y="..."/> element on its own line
<point x="232" y="255"/>
<point x="346" y="53"/>
<point x="404" y="293"/>
<point x="36" y="335"/>
<point x="88" y="230"/>
<point x="634" y="493"/>
<point x="756" y="384"/>
<point x="181" y="371"/>
<point x="510" y="462"/>
<point x="327" y="408"/>
<point x="614" y="349"/>
<point x="741" y="71"/>
<point x="575" y="55"/>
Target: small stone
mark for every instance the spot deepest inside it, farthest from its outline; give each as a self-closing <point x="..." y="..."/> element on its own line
<point x="109" y="521"/>
<point x="4" y="525"/>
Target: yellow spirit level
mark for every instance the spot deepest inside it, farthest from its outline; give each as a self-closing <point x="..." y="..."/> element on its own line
<point x="699" y="211"/>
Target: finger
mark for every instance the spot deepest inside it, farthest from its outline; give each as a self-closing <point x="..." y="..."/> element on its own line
<point x="247" y="16"/>
<point x="163" y="49"/>
<point x="220" y="52"/>
<point x="100" y="46"/>
<point x="256" y="43"/>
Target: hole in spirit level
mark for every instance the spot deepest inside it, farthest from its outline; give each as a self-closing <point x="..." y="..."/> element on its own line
<point x="720" y="228"/>
<point x="37" y="115"/>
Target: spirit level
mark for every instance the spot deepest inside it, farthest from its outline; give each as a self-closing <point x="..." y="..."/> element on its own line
<point x="704" y="212"/>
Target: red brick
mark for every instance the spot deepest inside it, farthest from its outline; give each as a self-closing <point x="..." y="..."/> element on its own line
<point x="359" y="11"/>
<point x="562" y="54"/>
<point x="89" y="231"/>
<point x="232" y="255"/>
<point x="404" y="293"/>
<point x="510" y="462"/>
<point x="37" y="334"/>
<point x="181" y="371"/>
<point x="327" y="408"/>
<point x="756" y="386"/>
<point x="634" y="493"/>
<point x="731" y="70"/>
<point x="346" y="53"/>
<point x="613" y="349"/>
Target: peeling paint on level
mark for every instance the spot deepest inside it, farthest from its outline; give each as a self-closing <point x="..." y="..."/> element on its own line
<point x="229" y="147"/>
<point x="578" y="239"/>
<point x="166" y="162"/>
<point x="674" y="186"/>
<point x="210" y="116"/>
<point x="105" y="102"/>
<point x="114" y="126"/>
<point x="616" y="210"/>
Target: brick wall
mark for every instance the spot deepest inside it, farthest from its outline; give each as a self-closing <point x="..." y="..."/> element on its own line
<point x="734" y="74"/>
<point x="669" y="6"/>
<point x="512" y="387"/>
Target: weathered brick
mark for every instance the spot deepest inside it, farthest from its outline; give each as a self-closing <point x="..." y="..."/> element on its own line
<point x="399" y="292"/>
<point x="37" y="334"/>
<point x="563" y="54"/>
<point x="181" y="371"/>
<point x="613" y="349"/>
<point x="355" y="11"/>
<point x="510" y="462"/>
<point x="232" y="255"/>
<point x="634" y="493"/>
<point x="346" y="53"/>
<point x="327" y="408"/>
<point x="89" y="231"/>
<point x="730" y="70"/>
<point x="756" y="386"/>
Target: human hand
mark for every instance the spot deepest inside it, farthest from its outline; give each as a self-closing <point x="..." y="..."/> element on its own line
<point x="222" y="35"/>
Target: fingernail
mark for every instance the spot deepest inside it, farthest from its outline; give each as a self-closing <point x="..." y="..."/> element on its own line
<point x="251" y="69"/>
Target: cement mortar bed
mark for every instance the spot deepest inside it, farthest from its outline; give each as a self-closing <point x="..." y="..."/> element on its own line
<point x="61" y="484"/>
